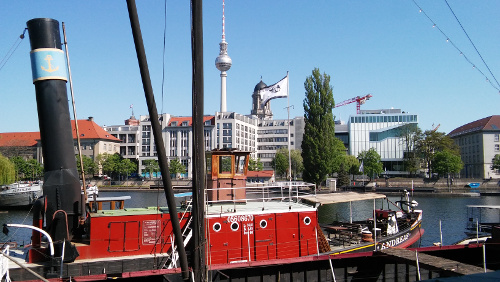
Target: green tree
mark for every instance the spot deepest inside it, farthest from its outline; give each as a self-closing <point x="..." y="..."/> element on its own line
<point x="297" y="162"/>
<point x="109" y="163"/>
<point x="371" y="162"/>
<point x="410" y="135"/>
<point x="33" y="169"/>
<point x="151" y="166"/>
<point x="255" y="164"/>
<point x="280" y="162"/>
<point x="176" y="167"/>
<point x="319" y="131"/>
<point x="495" y="162"/>
<point x="7" y="171"/>
<point x="125" y="167"/>
<point x="19" y="164"/>
<point x="446" y="162"/>
<point x="88" y="164"/>
<point x="433" y="142"/>
<point x="339" y="155"/>
<point x="351" y="164"/>
<point x="343" y="176"/>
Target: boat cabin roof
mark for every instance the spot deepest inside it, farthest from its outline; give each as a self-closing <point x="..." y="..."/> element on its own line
<point x="343" y="197"/>
<point x="484" y="206"/>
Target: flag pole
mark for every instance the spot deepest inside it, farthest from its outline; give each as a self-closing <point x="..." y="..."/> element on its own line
<point x="289" y="151"/>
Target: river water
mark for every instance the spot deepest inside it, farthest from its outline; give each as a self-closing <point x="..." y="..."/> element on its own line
<point x="450" y="210"/>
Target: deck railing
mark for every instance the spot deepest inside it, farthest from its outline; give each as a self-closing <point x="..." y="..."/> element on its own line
<point x="280" y="191"/>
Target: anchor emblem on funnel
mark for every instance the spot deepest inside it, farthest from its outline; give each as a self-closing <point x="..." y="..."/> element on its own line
<point x="49" y="58"/>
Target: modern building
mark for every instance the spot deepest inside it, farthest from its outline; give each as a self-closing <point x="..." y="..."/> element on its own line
<point x="274" y="134"/>
<point x="479" y="142"/>
<point x="380" y="129"/>
<point x="236" y="131"/>
<point x="138" y="140"/>
<point x="342" y="133"/>
<point x="179" y="140"/>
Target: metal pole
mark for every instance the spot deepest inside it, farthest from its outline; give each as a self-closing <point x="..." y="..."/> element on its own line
<point x="440" y="233"/>
<point x="199" y="251"/>
<point x="477" y="232"/>
<point x="162" y="158"/>
<point x="84" y="187"/>
<point x="25" y="268"/>
<point x="374" y="227"/>
<point x="484" y="257"/>
<point x="418" y="266"/>
<point x="331" y="268"/>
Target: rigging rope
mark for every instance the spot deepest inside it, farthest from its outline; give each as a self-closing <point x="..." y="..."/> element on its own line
<point x="12" y="49"/>
<point x="470" y="40"/>
<point x="456" y="47"/>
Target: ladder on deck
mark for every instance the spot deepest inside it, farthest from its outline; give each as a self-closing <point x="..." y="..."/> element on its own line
<point x="187" y="233"/>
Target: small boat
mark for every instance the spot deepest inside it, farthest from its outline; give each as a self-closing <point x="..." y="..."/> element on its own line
<point x="20" y="194"/>
<point x="398" y="226"/>
<point x="92" y="190"/>
<point x="481" y="219"/>
<point x="473" y="185"/>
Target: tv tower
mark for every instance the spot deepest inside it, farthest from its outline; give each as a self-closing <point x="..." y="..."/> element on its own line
<point x="223" y="63"/>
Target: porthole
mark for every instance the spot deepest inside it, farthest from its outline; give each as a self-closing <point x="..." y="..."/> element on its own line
<point x="263" y="223"/>
<point x="307" y="220"/>
<point x="217" y="227"/>
<point x="235" y="226"/>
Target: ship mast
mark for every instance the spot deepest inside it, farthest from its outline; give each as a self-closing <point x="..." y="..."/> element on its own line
<point x="199" y="264"/>
<point x="162" y="156"/>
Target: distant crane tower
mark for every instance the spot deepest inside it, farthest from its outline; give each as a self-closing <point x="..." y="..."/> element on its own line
<point x="359" y="101"/>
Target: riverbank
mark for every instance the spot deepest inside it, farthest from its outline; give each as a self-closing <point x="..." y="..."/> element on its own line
<point x="421" y="186"/>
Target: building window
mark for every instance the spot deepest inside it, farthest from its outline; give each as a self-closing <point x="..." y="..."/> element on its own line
<point x="496" y="137"/>
<point x="497" y="147"/>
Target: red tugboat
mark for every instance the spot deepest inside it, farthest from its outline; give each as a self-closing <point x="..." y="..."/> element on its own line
<point x="238" y="225"/>
<point x="261" y="224"/>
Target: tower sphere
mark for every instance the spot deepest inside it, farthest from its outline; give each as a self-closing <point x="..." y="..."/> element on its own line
<point x="223" y="62"/>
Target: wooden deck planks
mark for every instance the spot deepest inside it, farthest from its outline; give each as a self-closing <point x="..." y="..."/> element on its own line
<point x="426" y="261"/>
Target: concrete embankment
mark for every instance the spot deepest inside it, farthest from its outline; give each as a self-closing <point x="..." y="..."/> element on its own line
<point x="487" y="186"/>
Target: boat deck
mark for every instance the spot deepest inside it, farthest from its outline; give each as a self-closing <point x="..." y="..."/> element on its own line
<point x="333" y="198"/>
<point x="254" y="207"/>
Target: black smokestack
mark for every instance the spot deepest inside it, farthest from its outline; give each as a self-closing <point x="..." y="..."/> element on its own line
<point x="61" y="180"/>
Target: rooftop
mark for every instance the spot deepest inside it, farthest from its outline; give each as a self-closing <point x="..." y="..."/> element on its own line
<point x="188" y="121"/>
<point x="88" y="129"/>
<point x="491" y="123"/>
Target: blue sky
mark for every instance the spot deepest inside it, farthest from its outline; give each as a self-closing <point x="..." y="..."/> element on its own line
<point x="386" y="48"/>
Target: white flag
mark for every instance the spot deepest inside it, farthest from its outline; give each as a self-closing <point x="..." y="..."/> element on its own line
<point x="277" y="90"/>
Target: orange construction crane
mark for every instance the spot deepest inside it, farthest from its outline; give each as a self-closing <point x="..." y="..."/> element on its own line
<point x="359" y="101"/>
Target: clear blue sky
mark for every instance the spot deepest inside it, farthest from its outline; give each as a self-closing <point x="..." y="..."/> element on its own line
<point x="386" y="48"/>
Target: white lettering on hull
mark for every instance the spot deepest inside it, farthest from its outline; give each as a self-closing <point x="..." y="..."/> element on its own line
<point x="395" y="242"/>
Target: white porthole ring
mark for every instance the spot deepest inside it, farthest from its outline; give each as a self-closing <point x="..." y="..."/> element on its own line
<point x="235" y="226"/>
<point x="307" y="220"/>
<point x="217" y="227"/>
<point x="263" y="224"/>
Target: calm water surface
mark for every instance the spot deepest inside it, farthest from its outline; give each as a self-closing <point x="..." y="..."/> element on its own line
<point x="450" y="210"/>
